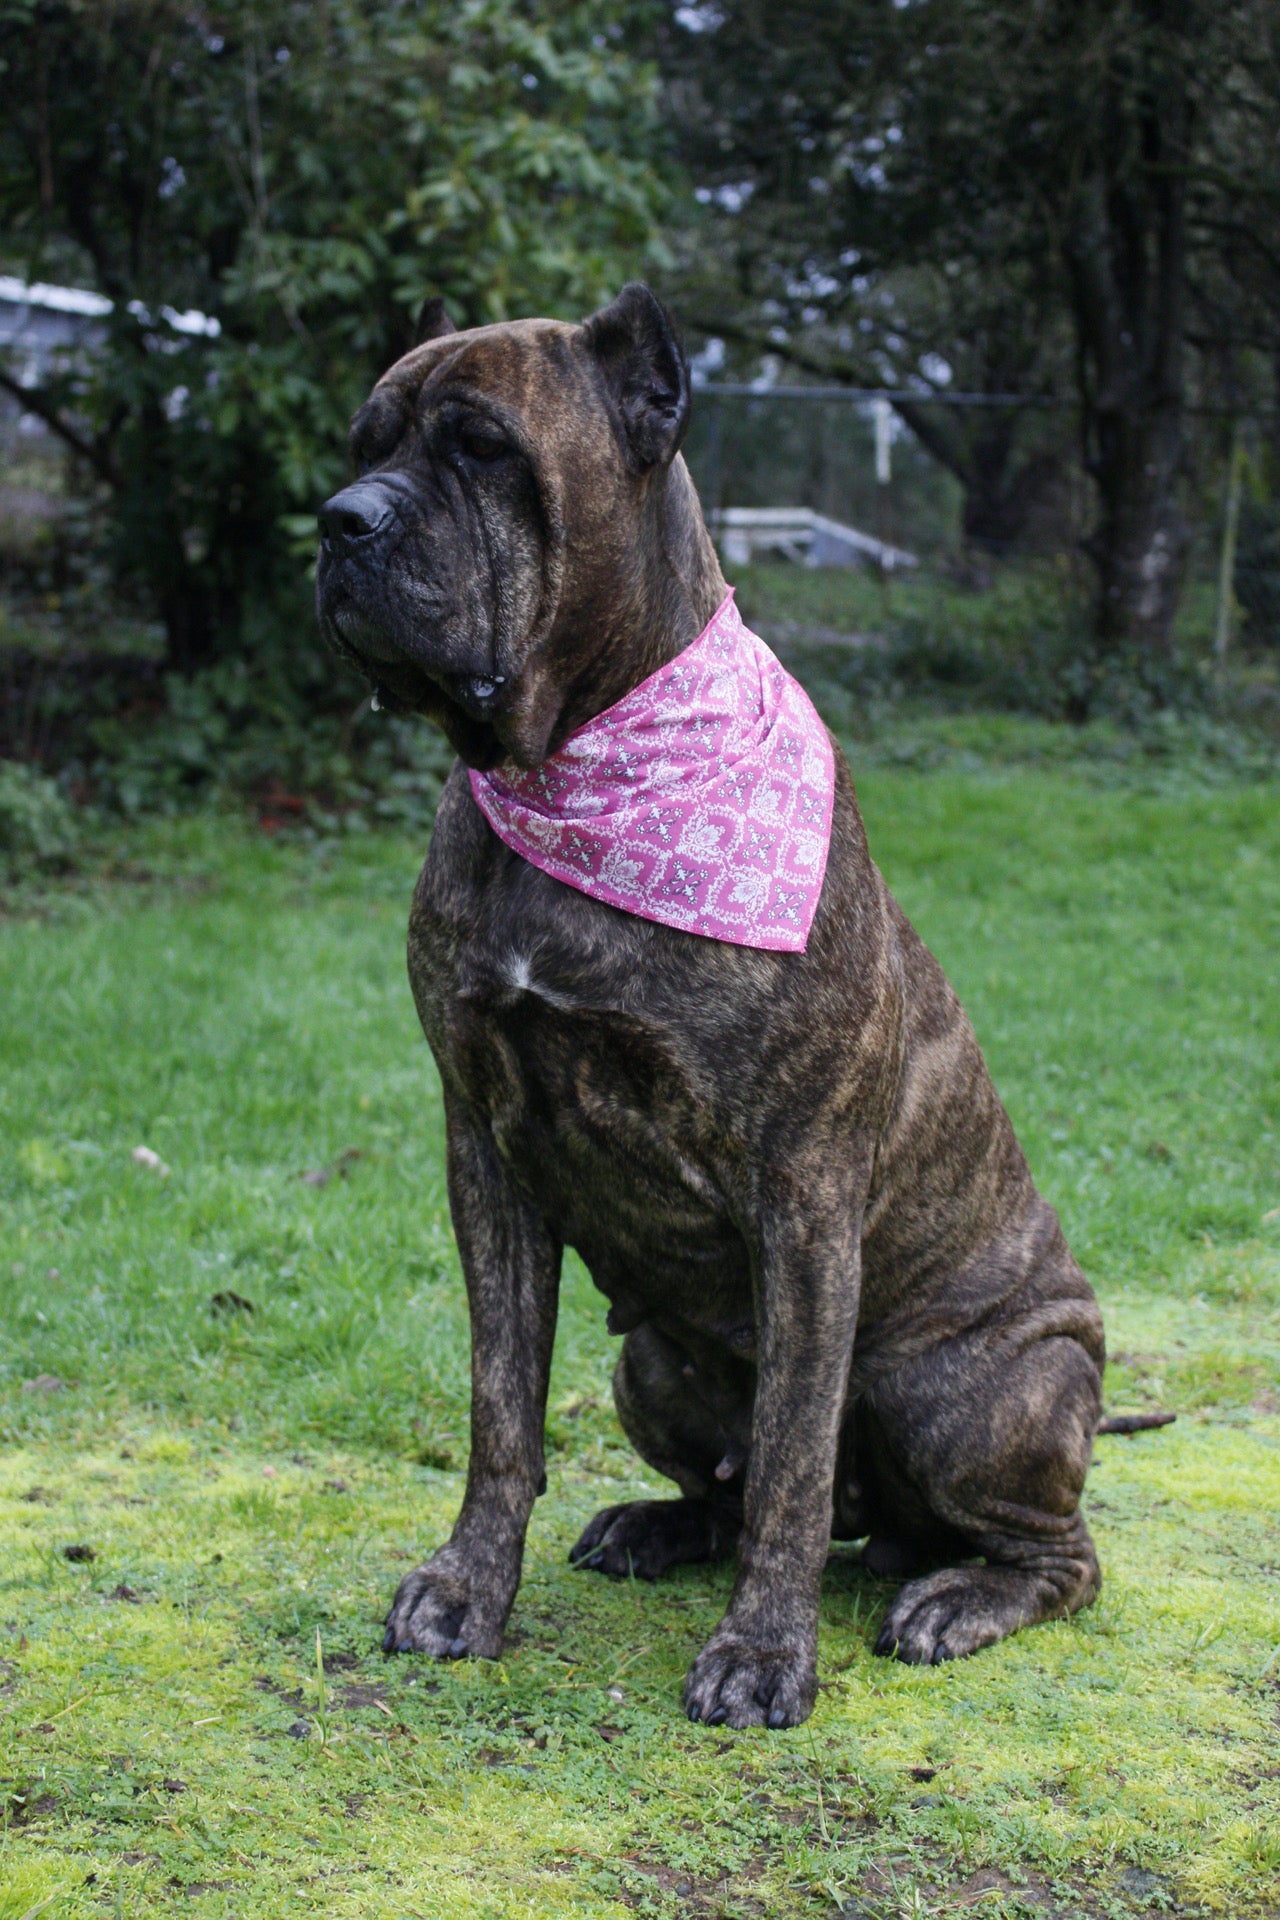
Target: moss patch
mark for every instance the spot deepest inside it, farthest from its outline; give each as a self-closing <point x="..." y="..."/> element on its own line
<point x="163" y="1736"/>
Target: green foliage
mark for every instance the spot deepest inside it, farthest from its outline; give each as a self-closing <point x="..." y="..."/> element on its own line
<point x="879" y="659"/>
<point x="886" y="203"/>
<point x="38" y="828"/>
<point x="303" y="176"/>
<point x="293" y="737"/>
<point x="1257" y="574"/>
<point x="247" y="1478"/>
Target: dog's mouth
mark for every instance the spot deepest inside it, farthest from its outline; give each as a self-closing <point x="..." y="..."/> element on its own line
<point x="475" y="694"/>
<point x="468" y="705"/>
<point x="398" y="678"/>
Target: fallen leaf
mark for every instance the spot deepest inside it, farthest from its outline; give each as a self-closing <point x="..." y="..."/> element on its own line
<point x="229" y="1301"/>
<point x="321" y="1176"/>
<point x="79" y="1551"/>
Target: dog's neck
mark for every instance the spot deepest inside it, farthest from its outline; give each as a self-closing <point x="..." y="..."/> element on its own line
<point x="663" y="593"/>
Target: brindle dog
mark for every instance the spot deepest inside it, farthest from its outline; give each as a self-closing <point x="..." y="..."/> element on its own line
<point x="846" y="1309"/>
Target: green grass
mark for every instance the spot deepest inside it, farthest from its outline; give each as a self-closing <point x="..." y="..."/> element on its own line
<point x="254" y="1478"/>
<point x="923" y="671"/>
<point x="1015" y="598"/>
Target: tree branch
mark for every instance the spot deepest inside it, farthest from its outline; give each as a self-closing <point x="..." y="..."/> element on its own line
<point x="32" y="400"/>
<point x="936" y="434"/>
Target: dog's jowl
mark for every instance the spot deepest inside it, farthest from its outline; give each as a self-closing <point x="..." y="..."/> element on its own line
<point x="717" y="1061"/>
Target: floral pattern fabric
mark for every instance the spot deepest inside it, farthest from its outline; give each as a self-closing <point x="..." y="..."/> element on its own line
<point x="701" y="799"/>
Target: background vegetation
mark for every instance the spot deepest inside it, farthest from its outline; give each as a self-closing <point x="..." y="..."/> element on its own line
<point x="1063" y="216"/>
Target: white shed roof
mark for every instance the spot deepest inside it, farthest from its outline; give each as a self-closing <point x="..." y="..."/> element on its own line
<point x="92" y="306"/>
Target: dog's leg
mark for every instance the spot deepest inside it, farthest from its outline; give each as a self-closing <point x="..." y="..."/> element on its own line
<point x="998" y="1440"/>
<point x="676" y="1430"/>
<point x="458" y="1602"/>
<point x="760" y="1665"/>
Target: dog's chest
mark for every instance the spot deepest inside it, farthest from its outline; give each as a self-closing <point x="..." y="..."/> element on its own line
<point x="597" y="1108"/>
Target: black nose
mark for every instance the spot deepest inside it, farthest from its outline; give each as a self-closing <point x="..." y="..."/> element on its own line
<point x="358" y="513"/>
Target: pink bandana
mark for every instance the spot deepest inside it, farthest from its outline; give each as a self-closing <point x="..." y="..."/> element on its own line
<point x="702" y="799"/>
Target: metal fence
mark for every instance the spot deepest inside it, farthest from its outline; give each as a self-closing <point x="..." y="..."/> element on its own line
<point x="849" y="458"/>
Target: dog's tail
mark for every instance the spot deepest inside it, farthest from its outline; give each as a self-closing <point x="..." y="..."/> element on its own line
<point x="1135" y="1422"/>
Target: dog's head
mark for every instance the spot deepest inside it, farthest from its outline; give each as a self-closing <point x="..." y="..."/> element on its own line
<point x="511" y="487"/>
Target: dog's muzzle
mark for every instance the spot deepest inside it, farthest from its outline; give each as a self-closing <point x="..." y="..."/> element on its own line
<point x="357" y="520"/>
<point x="359" y="531"/>
<point x="360" y="527"/>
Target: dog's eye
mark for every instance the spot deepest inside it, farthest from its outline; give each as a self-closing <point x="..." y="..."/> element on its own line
<point x="366" y="453"/>
<point x="481" y="445"/>
<point x="376" y="431"/>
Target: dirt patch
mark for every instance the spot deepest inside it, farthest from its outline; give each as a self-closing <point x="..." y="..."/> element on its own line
<point x="701" y="1898"/>
<point x="23" y="1801"/>
<point x="363" y="1693"/>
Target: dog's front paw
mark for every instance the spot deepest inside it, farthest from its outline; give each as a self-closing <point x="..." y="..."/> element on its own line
<point x="733" y="1683"/>
<point x="447" y="1608"/>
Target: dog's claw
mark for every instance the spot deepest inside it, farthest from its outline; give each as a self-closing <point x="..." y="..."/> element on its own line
<point x="695" y="1711"/>
<point x="777" y="1718"/>
<point x="457" y="1648"/>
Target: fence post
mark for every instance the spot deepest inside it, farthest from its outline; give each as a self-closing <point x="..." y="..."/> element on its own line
<point x="882" y="415"/>
<point x="1227" y="562"/>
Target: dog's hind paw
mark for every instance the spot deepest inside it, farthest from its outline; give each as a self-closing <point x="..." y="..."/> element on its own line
<point x="735" y="1684"/>
<point x="645" y="1537"/>
<point x="950" y="1614"/>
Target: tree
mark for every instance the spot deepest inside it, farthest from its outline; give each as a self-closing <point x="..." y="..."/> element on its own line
<point x="302" y="175"/>
<point x="1052" y="163"/>
<point x="829" y="213"/>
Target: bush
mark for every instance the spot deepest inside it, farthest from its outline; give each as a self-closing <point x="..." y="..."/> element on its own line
<point x="1021" y="645"/>
<point x="38" y="827"/>
<point x="1258" y="573"/>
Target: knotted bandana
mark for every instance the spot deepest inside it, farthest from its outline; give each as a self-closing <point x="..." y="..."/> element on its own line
<point x="701" y="799"/>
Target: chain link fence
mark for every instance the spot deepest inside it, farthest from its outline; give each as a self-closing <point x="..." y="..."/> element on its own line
<point x="877" y="467"/>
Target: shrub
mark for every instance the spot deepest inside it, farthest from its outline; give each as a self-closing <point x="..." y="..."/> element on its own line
<point x="38" y="826"/>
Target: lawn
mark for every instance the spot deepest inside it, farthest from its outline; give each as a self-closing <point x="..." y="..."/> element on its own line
<point x="240" y="1396"/>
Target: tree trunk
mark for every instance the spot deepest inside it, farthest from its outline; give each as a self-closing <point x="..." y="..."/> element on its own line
<point x="190" y="623"/>
<point x="1002" y="494"/>
<point x="1140" y="543"/>
<point x="1126" y="254"/>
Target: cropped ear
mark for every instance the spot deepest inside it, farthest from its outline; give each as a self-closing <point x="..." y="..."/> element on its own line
<point x="432" y="322"/>
<point x="634" y="340"/>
